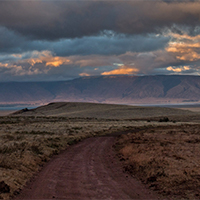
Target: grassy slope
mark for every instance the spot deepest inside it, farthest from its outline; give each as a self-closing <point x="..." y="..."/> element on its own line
<point x="105" y="111"/>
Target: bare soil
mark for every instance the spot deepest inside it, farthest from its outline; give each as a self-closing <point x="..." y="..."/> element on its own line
<point x="87" y="170"/>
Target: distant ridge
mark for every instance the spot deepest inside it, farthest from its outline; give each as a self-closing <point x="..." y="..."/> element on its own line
<point x="106" y="89"/>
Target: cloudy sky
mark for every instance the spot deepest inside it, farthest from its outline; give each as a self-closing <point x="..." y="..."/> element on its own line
<point x="42" y="40"/>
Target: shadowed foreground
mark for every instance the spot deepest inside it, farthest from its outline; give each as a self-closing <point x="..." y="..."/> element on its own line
<point x="87" y="170"/>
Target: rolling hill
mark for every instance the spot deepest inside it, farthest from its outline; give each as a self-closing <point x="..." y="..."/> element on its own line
<point x="105" y="111"/>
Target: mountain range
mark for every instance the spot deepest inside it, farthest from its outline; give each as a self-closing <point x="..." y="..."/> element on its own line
<point x="158" y="89"/>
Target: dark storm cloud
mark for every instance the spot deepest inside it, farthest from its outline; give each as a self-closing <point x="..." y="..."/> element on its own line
<point x="103" y="44"/>
<point x="109" y="46"/>
<point x="51" y="20"/>
<point x="9" y="40"/>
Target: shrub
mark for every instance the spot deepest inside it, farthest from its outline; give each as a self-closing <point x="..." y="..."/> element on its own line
<point x="165" y="119"/>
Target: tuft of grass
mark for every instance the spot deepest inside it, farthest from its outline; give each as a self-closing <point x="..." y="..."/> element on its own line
<point x="36" y="149"/>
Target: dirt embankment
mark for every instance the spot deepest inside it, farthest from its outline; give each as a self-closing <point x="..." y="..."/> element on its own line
<point x="87" y="170"/>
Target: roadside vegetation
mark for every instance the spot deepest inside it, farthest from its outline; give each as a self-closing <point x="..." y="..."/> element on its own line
<point x="28" y="142"/>
<point x="165" y="158"/>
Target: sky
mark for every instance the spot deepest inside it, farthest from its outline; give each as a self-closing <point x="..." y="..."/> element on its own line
<point x="53" y="40"/>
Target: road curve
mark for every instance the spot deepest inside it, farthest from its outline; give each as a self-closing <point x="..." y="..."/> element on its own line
<point x="87" y="170"/>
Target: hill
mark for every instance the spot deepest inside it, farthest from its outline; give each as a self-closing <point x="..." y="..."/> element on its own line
<point x="105" y="89"/>
<point x="104" y="111"/>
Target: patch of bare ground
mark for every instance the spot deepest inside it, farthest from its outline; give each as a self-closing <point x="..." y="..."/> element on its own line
<point x="164" y="158"/>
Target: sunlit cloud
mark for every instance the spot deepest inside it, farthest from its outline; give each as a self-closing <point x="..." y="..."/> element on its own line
<point x="122" y="70"/>
<point x="176" y="57"/>
<point x="18" y="70"/>
<point x="183" y="36"/>
<point x="57" y="61"/>
<point x="18" y="56"/>
<point x="118" y="64"/>
<point x="84" y="74"/>
<point x="2" y="65"/>
<point x="47" y="58"/>
<point x="178" y="69"/>
<point x="184" y="46"/>
<point x="192" y="56"/>
<point x="32" y="63"/>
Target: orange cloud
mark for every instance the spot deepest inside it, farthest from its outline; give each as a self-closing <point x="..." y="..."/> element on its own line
<point x="183" y="36"/>
<point x="178" y="69"/>
<point x="84" y="74"/>
<point x="18" y="70"/>
<point x="56" y="61"/>
<point x="16" y="55"/>
<point x="45" y="57"/>
<point x="192" y="56"/>
<point x="181" y="47"/>
<point x="20" y="67"/>
<point x="185" y="47"/>
<point x="34" y="61"/>
<point x="122" y="70"/>
<point x="4" y="65"/>
<point x="184" y="51"/>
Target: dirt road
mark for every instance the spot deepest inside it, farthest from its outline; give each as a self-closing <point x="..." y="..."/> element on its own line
<point x="87" y="170"/>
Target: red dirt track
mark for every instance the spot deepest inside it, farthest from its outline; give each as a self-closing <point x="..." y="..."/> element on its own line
<point x="87" y="170"/>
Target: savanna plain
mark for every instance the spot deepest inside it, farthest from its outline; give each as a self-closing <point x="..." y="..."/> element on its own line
<point x="158" y="146"/>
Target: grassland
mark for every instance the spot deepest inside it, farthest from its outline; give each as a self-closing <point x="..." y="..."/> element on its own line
<point x="28" y="142"/>
<point x="29" y="139"/>
<point x="164" y="158"/>
<point x="106" y="111"/>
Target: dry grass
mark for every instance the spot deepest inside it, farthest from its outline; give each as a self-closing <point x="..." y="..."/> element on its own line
<point x="165" y="158"/>
<point x="107" y="111"/>
<point x="28" y="142"/>
<point x="29" y="139"/>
